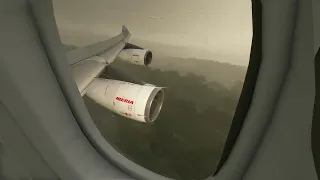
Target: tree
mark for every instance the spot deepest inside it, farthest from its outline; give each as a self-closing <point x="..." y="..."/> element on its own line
<point x="187" y="140"/>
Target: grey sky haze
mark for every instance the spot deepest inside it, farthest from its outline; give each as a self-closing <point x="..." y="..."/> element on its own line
<point x="209" y="26"/>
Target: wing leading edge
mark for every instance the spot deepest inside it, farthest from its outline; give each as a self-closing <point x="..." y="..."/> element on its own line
<point x="87" y="63"/>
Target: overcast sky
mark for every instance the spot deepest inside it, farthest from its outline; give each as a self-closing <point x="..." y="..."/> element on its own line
<point x="210" y="26"/>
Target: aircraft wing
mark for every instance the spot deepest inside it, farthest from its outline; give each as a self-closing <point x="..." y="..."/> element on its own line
<point x="87" y="63"/>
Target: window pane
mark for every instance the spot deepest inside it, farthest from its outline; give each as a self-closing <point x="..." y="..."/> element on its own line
<point x="200" y="53"/>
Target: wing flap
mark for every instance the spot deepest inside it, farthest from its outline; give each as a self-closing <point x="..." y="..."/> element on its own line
<point x="98" y="49"/>
<point x="88" y="63"/>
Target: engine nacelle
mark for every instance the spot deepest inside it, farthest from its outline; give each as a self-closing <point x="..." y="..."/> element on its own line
<point x="137" y="102"/>
<point x="136" y="56"/>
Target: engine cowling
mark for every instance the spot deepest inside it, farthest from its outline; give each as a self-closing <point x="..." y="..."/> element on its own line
<point x="134" y="101"/>
<point x="136" y="56"/>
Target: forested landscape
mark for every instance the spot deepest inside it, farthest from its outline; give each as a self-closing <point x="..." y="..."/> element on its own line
<point x="187" y="140"/>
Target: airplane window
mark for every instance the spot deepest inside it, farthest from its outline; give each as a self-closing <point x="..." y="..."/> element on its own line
<point x="187" y="61"/>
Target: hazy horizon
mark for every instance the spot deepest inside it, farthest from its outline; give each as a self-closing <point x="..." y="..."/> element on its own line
<point x="206" y="29"/>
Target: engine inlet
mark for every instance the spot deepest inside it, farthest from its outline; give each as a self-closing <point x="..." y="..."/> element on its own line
<point x="154" y="105"/>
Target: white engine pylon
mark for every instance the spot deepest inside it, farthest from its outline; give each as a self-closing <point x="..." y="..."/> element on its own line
<point x="136" y="56"/>
<point x="134" y="101"/>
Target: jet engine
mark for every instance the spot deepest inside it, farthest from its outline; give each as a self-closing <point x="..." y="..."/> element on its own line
<point x="136" y="55"/>
<point x="134" y="101"/>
